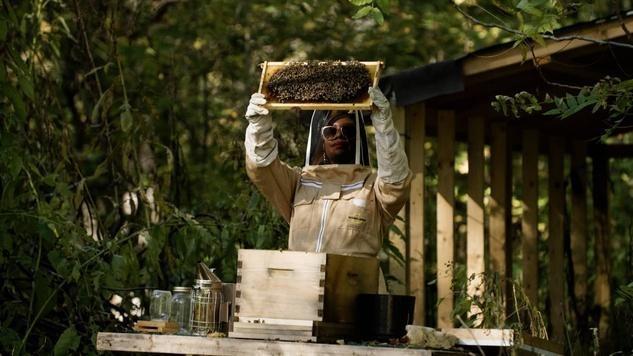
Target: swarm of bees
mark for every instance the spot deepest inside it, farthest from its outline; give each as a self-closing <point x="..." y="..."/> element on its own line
<point x="320" y="82"/>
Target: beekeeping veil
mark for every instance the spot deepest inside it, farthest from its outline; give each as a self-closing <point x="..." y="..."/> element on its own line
<point x="321" y="118"/>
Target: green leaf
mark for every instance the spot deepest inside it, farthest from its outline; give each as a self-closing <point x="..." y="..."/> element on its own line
<point x="625" y="85"/>
<point x="360" y="2"/>
<point x="539" y="39"/>
<point x="76" y="273"/>
<point x="383" y="4"/>
<point x="16" y="100"/>
<point x="362" y="12"/>
<point x="377" y="15"/>
<point x="529" y="8"/>
<point x="395" y="253"/>
<point x="552" y="112"/>
<point x="14" y="165"/>
<point x="67" y="342"/>
<point x="27" y="85"/>
<point x="66" y="29"/>
<point x="95" y="111"/>
<point x="126" y="121"/>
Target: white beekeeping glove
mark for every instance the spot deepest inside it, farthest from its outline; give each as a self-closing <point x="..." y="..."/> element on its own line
<point x="261" y="146"/>
<point x="392" y="161"/>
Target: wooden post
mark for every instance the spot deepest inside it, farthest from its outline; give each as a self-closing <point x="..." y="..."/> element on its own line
<point x="500" y="207"/>
<point x="602" y="250"/>
<point x="445" y="216"/>
<point x="529" y="223"/>
<point x="416" y="120"/>
<point x="556" y="194"/>
<point x="396" y="269"/>
<point x="579" y="231"/>
<point x="475" y="266"/>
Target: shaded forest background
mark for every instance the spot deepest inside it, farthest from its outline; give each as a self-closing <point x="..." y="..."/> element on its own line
<point x="121" y="155"/>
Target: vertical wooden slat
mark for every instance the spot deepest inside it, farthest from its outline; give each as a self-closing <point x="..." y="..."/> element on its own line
<point x="416" y="119"/>
<point x="602" y="288"/>
<point x="396" y="269"/>
<point x="445" y="216"/>
<point x="500" y="209"/>
<point x="529" y="223"/>
<point x="475" y="265"/>
<point x="556" y="195"/>
<point x="579" y="231"/>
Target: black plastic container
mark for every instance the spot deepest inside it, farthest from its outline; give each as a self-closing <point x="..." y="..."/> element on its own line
<point x="384" y="316"/>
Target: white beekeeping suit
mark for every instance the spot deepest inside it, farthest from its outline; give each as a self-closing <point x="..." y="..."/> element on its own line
<point x="334" y="208"/>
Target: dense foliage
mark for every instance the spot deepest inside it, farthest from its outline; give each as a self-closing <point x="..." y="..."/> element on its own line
<point x="121" y="160"/>
<point x="120" y="142"/>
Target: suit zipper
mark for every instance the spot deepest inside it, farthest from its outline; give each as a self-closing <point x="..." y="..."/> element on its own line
<point x="321" y="234"/>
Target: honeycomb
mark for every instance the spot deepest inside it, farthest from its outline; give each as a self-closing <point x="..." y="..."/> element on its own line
<point x="320" y="82"/>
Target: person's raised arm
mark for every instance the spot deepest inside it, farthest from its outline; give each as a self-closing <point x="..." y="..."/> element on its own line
<point x="394" y="176"/>
<point x="261" y="146"/>
<point x="274" y="179"/>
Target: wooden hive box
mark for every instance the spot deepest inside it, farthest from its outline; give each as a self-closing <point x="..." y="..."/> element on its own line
<point x="364" y="103"/>
<point x="289" y="287"/>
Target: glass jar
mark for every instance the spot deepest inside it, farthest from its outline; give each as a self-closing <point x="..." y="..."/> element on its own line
<point x="160" y="304"/>
<point x="181" y="309"/>
<point x="206" y="299"/>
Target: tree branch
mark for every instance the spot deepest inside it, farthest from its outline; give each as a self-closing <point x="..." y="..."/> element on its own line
<point x="544" y="35"/>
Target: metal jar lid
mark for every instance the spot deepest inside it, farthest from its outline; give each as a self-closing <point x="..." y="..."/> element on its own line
<point x="182" y="289"/>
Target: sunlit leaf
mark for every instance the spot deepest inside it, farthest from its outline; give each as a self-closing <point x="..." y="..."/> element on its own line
<point x="377" y="15"/>
<point x="360" y="2"/>
<point x="126" y="121"/>
<point x="362" y="12"/>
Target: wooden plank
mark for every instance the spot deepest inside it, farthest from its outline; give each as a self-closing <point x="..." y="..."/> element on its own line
<point x="602" y="288"/>
<point x="579" y="229"/>
<point x="272" y="329"/>
<point x="396" y="269"/>
<point x="280" y="260"/>
<point x="445" y="216"/>
<point x="556" y="194"/>
<point x="475" y="265"/>
<point x="256" y="320"/>
<point x="529" y="222"/>
<point x="500" y="192"/>
<point x="416" y="121"/>
<point x="363" y="103"/>
<point x="266" y="336"/>
<point x="482" y="337"/>
<point x="183" y="345"/>
<point x="156" y="326"/>
<point x="490" y="61"/>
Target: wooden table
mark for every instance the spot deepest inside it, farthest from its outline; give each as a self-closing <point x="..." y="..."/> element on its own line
<point x="175" y="344"/>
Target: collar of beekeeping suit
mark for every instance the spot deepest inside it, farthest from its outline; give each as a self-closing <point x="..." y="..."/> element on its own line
<point x="321" y="118"/>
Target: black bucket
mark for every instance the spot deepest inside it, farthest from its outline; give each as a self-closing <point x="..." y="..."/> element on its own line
<point x="384" y="316"/>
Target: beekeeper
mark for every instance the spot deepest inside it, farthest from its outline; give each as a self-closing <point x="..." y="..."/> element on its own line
<point x="335" y="203"/>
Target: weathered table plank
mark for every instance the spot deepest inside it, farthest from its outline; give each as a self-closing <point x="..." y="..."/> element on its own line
<point x="175" y="344"/>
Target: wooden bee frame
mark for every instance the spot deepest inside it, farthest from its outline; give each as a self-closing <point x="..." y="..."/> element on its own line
<point x="364" y="103"/>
